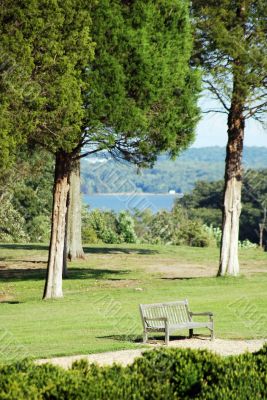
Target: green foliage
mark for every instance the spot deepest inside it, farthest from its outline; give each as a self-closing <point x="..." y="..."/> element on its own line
<point x="205" y="202"/>
<point x="175" y="228"/>
<point x="15" y="83"/>
<point x="45" y="47"/>
<point x="171" y="228"/>
<point x="215" y="233"/>
<point x="246" y="244"/>
<point x="230" y="45"/>
<point x="39" y="228"/>
<point x="164" y="227"/>
<point x="107" y="227"/>
<point x="12" y="224"/>
<point x="99" y="226"/>
<point x="205" y="195"/>
<point x="126" y="227"/>
<point x="28" y="190"/>
<point x="32" y="194"/>
<point x="143" y="91"/>
<point x="158" y="374"/>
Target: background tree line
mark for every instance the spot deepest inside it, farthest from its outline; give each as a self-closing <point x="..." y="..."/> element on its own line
<point x="181" y="174"/>
<point x="27" y="202"/>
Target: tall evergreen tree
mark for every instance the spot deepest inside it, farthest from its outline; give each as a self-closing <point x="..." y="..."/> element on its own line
<point x="143" y="94"/>
<point x="16" y="87"/>
<point x="142" y="97"/>
<point x="231" y="38"/>
<point x="56" y="36"/>
<point x="136" y="99"/>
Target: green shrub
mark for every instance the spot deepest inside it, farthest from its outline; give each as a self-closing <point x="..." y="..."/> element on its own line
<point x="126" y="227"/>
<point x="246" y="244"/>
<point x="99" y="227"/>
<point x="39" y="229"/>
<point x="11" y="223"/>
<point x="174" y="228"/>
<point x="160" y="374"/>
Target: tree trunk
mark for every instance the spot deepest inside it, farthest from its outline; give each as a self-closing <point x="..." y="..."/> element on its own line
<point x="65" y="251"/>
<point x="53" y="284"/>
<point x="229" y="264"/>
<point x="262" y="227"/>
<point x="74" y="218"/>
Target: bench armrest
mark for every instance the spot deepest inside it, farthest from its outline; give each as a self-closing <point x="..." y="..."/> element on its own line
<point x="207" y="314"/>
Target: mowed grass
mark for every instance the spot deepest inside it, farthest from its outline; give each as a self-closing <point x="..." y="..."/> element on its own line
<point x="99" y="311"/>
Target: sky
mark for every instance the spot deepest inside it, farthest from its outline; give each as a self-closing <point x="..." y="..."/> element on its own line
<point x="212" y="129"/>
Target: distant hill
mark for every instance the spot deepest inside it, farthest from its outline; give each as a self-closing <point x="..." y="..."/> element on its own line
<point x="104" y="175"/>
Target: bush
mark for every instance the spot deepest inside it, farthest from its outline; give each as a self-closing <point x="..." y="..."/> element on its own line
<point x="159" y="374"/>
<point x="11" y="223"/>
<point x="173" y="228"/>
<point x="126" y="227"/>
<point x="39" y="229"/>
<point x="107" y="227"/>
<point x="99" y="227"/>
<point x="246" y="244"/>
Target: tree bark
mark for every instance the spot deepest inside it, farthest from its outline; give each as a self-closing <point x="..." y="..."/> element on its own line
<point x="229" y="264"/>
<point x="65" y="251"/>
<point x="53" y="284"/>
<point x="74" y="217"/>
<point x="262" y="228"/>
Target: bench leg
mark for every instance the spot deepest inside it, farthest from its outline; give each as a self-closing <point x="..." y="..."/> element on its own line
<point x="191" y="332"/>
<point x="167" y="334"/>
<point x="145" y="337"/>
<point x="212" y="336"/>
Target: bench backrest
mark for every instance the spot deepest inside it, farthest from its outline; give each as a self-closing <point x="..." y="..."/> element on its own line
<point x="177" y="312"/>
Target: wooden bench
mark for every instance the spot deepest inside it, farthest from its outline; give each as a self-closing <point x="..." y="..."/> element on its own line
<point x="170" y="317"/>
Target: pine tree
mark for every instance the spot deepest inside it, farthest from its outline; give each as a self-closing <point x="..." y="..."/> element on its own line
<point x="231" y="39"/>
<point x="143" y="93"/>
<point x="137" y="98"/>
<point x="15" y="85"/>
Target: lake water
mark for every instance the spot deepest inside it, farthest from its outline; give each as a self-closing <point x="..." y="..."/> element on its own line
<point x="130" y="201"/>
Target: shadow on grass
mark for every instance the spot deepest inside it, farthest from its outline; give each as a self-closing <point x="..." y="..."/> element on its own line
<point x="87" y="249"/>
<point x="123" y="338"/>
<point x="29" y="246"/>
<point x="22" y="274"/>
<point x="152" y="338"/>
<point x="180" y="278"/>
<point x="26" y="274"/>
<point x="117" y="250"/>
<point x="10" y="302"/>
<point x="90" y="273"/>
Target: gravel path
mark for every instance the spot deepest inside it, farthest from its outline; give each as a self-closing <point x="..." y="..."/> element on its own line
<point x="124" y="357"/>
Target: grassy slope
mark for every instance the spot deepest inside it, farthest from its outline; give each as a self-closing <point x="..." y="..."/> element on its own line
<point x="100" y="309"/>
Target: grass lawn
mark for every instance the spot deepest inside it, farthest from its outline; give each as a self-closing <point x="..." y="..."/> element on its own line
<point x="99" y="311"/>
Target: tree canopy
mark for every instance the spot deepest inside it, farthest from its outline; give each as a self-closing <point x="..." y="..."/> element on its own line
<point x="231" y="47"/>
<point x="143" y="93"/>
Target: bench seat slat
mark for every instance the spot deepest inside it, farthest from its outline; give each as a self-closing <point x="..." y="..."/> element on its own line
<point x="189" y="325"/>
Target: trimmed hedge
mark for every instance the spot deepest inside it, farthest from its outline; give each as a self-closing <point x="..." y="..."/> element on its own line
<point x="159" y="374"/>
